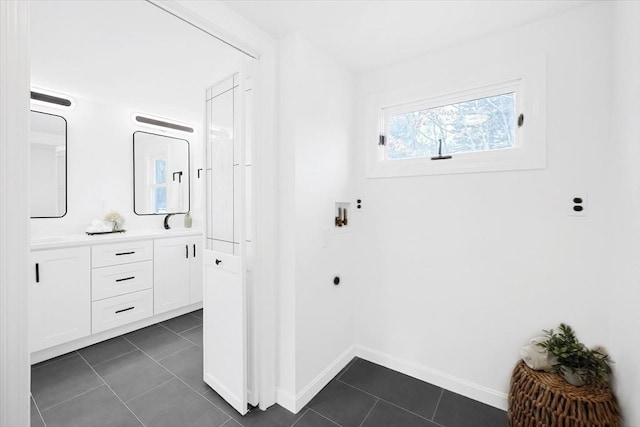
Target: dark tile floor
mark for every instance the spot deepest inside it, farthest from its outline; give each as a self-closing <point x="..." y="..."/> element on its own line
<point x="153" y="377"/>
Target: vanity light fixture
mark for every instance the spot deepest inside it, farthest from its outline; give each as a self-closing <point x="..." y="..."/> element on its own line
<point x="49" y="98"/>
<point x="158" y="122"/>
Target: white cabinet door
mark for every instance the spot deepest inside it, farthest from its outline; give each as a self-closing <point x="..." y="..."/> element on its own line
<point x="195" y="267"/>
<point x="225" y="328"/>
<point x="171" y="273"/>
<point x="60" y="296"/>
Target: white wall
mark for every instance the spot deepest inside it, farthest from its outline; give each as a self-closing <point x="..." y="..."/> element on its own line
<point x="153" y="64"/>
<point x="623" y="163"/>
<point x="316" y="322"/>
<point x="100" y="169"/>
<point x="468" y="267"/>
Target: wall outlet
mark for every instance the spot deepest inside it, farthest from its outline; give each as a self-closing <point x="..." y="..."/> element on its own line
<point x="578" y="205"/>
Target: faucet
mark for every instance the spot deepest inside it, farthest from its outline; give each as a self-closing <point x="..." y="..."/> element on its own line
<point x="166" y="221"/>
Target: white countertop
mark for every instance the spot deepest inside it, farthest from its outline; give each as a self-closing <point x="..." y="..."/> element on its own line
<point x="72" y="240"/>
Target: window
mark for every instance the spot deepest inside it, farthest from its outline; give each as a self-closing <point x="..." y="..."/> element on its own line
<point x="480" y="124"/>
<point x="486" y="119"/>
<point x="160" y="185"/>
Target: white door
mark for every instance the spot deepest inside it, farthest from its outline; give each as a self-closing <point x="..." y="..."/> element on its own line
<point x="224" y="300"/>
<point x="225" y="328"/>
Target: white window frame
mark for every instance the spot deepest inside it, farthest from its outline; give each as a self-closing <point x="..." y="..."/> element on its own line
<point x="526" y="78"/>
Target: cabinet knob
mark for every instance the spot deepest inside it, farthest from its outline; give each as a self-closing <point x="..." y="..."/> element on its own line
<point x="218" y="261"/>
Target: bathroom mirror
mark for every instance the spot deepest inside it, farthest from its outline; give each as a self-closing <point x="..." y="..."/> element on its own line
<point x="160" y="174"/>
<point x="48" y="167"/>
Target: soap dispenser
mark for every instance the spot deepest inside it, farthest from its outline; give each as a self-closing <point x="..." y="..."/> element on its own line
<point x="188" y="221"/>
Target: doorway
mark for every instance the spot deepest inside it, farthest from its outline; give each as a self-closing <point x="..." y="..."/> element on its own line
<point x="99" y="82"/>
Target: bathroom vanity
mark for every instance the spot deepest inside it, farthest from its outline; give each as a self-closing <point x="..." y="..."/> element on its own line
<point x="86" y="289"/>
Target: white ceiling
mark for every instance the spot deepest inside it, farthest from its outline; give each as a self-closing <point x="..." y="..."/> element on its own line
<point x="364" y="35"/>
<point x="126" y="52"/>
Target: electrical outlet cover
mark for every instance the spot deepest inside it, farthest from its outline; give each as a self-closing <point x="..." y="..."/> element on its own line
<point x="577" y="201"/>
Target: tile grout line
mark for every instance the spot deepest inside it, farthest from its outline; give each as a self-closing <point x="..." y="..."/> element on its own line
<point x="179" y="379"/>
<point x="346" y="368"/>
<point x="180" y="336"/>
<point x="149" y="391"/>
<point x="38" y="409"/>
<point x="114" y="393"/>
<point x="163" y="357"/>
<point x="112" y="359"/>
<point x="187" y="339"/>
<point x="167" y="328"/>
<point x="370" y="411"/>
<point x="71" y="398"/>
<point x="433" y="418"/>
<point x="303" y="414"/>
<point x="175" y="352"/>
<point x="50" y="361"/>
<point x="225" y="423"/>
<point x="390" y="403"/>
<point x="326" y="418"/>
<point x="187" y="330"/>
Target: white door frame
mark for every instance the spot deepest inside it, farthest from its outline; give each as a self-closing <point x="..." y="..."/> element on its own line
<point x="14" y="212"/>
<point x="15" y="374"/>
<point x="228" y="27"/>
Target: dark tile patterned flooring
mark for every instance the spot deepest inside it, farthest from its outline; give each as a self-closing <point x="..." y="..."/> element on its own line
<point x="153" y="377"/>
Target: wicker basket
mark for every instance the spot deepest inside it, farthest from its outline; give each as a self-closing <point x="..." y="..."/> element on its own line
<point x="541" y="399"/>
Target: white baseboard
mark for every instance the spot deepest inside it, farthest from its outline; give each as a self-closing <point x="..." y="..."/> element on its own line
<point x="294" y="403"/>
<point x="286" y="399"/>
<point x="457" y="385"/>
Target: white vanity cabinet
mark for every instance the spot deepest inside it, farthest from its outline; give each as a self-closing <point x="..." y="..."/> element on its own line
<point x="59" y="296"/>
<point x="121" y="284"/>
<point x="195" y="271"/>
<point x="177" y="271"/>
<point x="86" y="289"/>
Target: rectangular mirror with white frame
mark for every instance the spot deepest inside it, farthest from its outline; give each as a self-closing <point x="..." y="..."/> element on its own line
<point x="48" y="165"/>
<point x="160" y="174"/>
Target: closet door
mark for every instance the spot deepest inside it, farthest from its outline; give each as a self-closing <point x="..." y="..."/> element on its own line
<point x="224" y="300"/>
<point x="225" y="328"/>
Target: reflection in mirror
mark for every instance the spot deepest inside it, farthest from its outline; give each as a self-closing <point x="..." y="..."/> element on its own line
<point x="160" y="174"/>
<point x="48" y="167"/>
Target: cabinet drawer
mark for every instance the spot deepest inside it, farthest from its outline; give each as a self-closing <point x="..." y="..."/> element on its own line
<point x="107" y="282"/>
<point x="121" y="253"/>
<point x="113" y="312"/>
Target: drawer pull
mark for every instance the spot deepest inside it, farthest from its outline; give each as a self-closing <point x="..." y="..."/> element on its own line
<point x="126" y="278"/>
<point x="124" y="309"/>
<point x="194" y="250"/>
<point x="125" y="253"/>
<point x="37" y="273"/>
<point x="186" y="251"/>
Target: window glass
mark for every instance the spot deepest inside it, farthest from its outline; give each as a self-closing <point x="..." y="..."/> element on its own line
<point x="160" y="199"/>
<point x="481" y="124"/>
<point x="160" y="190"/>
<point x="161" y="171"/>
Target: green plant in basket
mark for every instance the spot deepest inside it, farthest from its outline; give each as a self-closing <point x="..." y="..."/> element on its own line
<point x="575" y="361"/>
